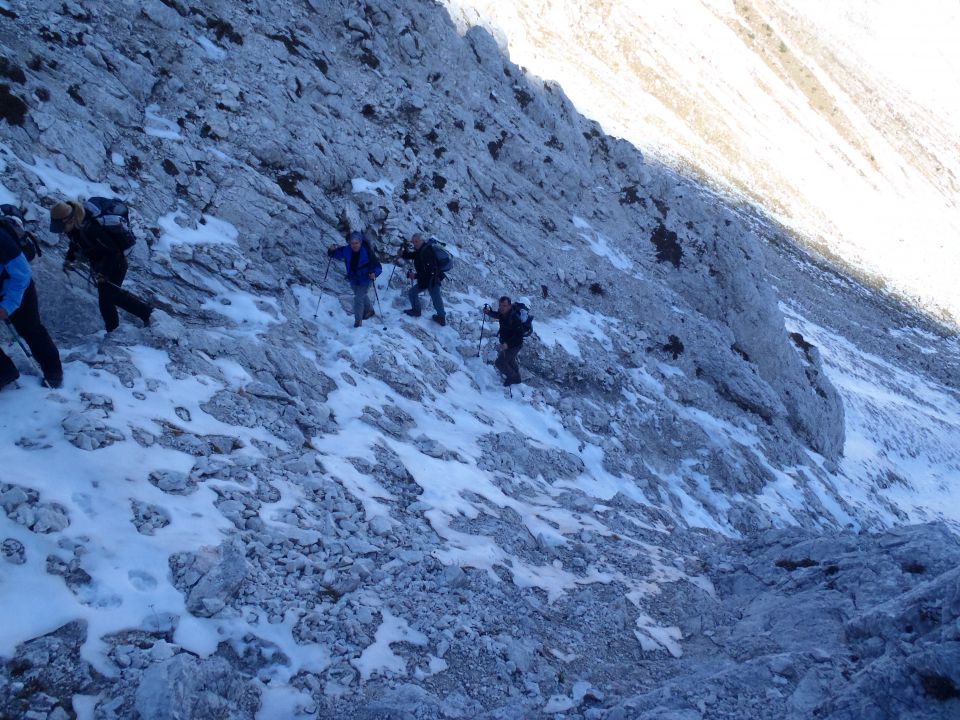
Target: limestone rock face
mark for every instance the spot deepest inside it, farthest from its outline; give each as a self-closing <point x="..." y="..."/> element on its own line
<point x="386" y="532"/>
<point x="185" y="687"/>
<point x="266" y="125"/>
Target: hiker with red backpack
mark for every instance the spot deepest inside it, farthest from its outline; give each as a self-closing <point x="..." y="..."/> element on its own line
<point x="19" y="307"/>
<point x="363" y="267"/>
<point x="99" y="233"/>
<point x="429" y="263"/>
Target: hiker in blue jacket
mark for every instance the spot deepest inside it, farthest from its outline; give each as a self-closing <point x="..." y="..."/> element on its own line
<point x="362" y="267"/>
<point x="19" y="307"/>
<point x="511" y="339"/>
<point x="427" y="276"/>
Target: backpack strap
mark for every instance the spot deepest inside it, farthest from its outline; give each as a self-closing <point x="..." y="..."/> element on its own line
<point x="9" y="245"/>
<point x="25" y="240"/>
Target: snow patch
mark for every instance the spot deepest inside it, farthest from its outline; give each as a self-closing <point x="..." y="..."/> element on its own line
<point x="59" y="182"/>
<point x="378" y="657"/>
<point x="208" y="231"/>
<point x="379" y="187"/>
<point x="213" y="51"/>
<point x="157" y="126"/>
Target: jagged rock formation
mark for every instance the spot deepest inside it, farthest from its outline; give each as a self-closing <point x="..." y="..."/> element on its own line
<point x="663" y="378"/>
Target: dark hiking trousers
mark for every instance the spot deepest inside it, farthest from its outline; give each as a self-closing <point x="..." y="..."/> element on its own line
<point x="507" y="364"/>
<point x="111" y="296"/>
<point x="435" y="296"/>
<point x="26" y="321"/>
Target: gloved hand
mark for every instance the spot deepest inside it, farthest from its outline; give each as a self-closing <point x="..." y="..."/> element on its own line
<point x="67" y="266"/>
<point x="333" y="248"/>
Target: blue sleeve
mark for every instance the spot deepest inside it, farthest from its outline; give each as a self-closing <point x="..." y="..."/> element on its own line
<point x="16" y="284"/>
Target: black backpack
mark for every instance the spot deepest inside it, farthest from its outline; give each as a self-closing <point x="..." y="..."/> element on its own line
<point x="444" y="260"/>
<point x="11" y="220"/>
<point x="113" y="216"/>
<point x="373" y="255"/>
<point x="522" y="313"/>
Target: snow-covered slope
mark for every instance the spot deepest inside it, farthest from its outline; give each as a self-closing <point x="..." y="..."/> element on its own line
<point x="252" y="509"/>
<point x="840" y="119"/>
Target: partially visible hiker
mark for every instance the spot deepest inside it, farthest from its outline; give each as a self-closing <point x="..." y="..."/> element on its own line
<point x="512" y="331"/>
<point x="362" y="267"/>
<point x="99" y="233"/>
<point x="427" y="275"/>
<point x="19" y="308"/>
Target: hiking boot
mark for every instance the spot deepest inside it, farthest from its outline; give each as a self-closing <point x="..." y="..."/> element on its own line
<point x="357" y="323"/>
<point x="146" y="318"/>
<point x="52" y="382"/>
<point x="412" y="313"/>
<point x="367" y="314"/>
<point x="508" y="382"/>
<point x="439" y="319"/>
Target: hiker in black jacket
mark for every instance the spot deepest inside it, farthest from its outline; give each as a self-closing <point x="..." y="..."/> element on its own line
<point x="19" y="307"/>
<point x="511" y="339"/>
<point x="428" y="276"/>
<point x="103" y="248"/>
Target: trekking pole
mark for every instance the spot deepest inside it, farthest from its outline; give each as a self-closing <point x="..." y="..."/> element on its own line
<point x="379" y="306"/>
<point x="480" y="344"/>
<point x="320" y="297"/>
<point x="396" y="261"/>
<point x="85" y="276"/>
<point x="23" y="346"/>
<point x="19" y="340"/>
<point x="150" y="299"/>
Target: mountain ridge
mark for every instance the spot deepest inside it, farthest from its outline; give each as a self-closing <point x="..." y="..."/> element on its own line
<point x="830" y="118"/>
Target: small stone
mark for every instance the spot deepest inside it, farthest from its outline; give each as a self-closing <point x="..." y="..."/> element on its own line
<point x="13" y="551"/>
<point x="212" y="606"/>
<point x="380" y="525"/>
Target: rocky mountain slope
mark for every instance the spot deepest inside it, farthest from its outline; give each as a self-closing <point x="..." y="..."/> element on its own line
<point x="839" y="119"/>
<point x="254" y="509"/>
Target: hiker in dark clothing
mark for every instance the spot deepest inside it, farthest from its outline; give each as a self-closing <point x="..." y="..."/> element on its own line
<point x="362" y="267"/>
<point x="103" y="248"/>
<point x="19" y="308"/>
<point x="511" y="339"/>
<point x="428" y="276"/>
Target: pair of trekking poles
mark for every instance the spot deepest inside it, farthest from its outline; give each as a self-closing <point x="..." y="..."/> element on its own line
<point x="26" y="350"/>
<point x="23" y="346"/>
<point x="324" y="287"/>
<point x="79" y="268"/>
<point x="88" y="275"/>
<point x="15" y="336"/>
